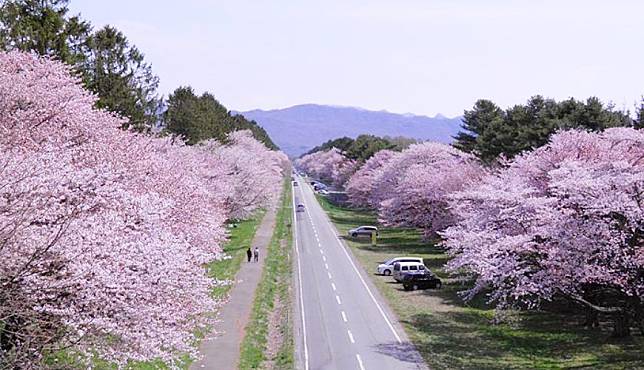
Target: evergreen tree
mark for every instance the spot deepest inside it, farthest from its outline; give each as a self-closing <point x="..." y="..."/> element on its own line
<point x="197" y="118"/>
<point x="490" y="131"/>
<point x="43" y="26"/>
<point x="117" y="72"/>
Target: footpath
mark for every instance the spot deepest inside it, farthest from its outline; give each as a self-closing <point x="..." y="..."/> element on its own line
<point x="221" y="352"/>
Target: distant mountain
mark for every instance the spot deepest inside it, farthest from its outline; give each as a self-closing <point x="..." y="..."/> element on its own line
<point x="299" y="128"/>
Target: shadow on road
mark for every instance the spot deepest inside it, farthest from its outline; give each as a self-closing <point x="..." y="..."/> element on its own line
<point x="405" y="352"/>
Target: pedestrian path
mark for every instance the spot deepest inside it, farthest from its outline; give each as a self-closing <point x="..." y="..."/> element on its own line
<point x="222" y="351"/>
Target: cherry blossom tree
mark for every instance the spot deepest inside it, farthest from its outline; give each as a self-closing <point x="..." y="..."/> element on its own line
<point x="564" y="220"/>
<point x="253" y="172"/>
<point x="330" y="165"/>
<point x="103" y="232"/>
<point x="361" y="185"/>
<point x="412" y="188"/>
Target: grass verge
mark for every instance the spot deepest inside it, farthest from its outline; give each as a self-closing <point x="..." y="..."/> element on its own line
<point x="275" y="286"/>
<point x="451" y="334"/>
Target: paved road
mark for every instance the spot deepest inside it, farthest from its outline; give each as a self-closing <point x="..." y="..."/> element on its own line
<point x="343" y="323"/>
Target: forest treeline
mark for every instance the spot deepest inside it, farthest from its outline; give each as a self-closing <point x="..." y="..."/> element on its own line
<point x="114" y="69"/>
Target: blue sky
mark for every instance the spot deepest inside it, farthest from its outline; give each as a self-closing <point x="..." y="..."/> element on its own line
<point x="423" y="57"/>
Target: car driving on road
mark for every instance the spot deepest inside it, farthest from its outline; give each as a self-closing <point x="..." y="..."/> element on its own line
<point x="425" y="280"/>
<point x="363" y="230"/>
<point x="300" y="207"/>
<point x="387" y="267"/>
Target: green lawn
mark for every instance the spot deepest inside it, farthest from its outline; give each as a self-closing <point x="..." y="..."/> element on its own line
<point x="272" y="305"/>
<point x="451" y="334"/>
<point x="239" y="239"/>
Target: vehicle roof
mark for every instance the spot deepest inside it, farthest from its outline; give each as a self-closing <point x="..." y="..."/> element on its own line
<point x="407" y="257"/>
<point x="367" y="226"/>
<point x="409" y="263"/>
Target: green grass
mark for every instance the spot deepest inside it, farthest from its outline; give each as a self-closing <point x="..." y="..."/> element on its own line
<point x="275" y="283"/>
<point x="239" y="240"/>
<point x="451" y="334"/>
<point x="236" y="246"/>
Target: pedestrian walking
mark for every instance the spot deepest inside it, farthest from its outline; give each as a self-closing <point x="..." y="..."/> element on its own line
<point x="249" y="253"/>
<point x="256" y="254"/>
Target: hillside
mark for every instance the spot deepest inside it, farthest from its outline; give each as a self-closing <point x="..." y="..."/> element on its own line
<point x="299" y="128"/>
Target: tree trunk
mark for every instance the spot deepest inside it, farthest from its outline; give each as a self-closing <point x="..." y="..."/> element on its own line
<point x="621" y="326"/>
<point x="592" y="318"/>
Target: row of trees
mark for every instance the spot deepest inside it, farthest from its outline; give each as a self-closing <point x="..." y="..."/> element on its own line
<point x="490" y="131"/>
<point x="563" y="220"/>
<point x="364" y="147"/>
<point x="116" y="71"/>
<point x="104" y="232"/>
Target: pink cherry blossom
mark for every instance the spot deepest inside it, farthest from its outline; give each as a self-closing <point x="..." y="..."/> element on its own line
<point x="361" y="185"/>
<point x="566" y="219"/>
<point x="330" y="165"/>
<point x="104" y="233"/>
<point x="412" y="188"/>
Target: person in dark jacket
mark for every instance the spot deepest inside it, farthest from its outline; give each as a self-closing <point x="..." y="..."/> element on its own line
<point x="249" y="254"/>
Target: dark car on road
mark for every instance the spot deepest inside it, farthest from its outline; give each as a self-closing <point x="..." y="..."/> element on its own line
<point x="421" y="281"/>
<point x="300" y="207"/>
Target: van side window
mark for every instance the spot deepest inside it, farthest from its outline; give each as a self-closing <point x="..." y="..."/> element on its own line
<point x="405" y="268"/>
<point x="421" y="267"/>
<point x="397" y="267"/>
<point x="413" y="267"/>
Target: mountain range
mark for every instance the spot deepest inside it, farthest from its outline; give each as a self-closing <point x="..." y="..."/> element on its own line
<point x="298" y="129"/>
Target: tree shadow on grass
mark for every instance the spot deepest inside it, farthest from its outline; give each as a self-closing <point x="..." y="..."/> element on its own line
<point x="467" y="339"/>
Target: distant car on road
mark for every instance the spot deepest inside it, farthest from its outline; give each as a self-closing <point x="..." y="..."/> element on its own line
<point x="294" y="183"/>
<point x="363" y="230"/>
<point x="403" y="268"/>
<point x="300" y="207"/>
<point x="387" y="267"/>
<point x="426" y="280"/>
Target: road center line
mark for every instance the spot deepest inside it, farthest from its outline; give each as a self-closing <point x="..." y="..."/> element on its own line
<point x="324" y="258"/>
<point x="326" y="266"/>
<point x="333" y="286"/>
<point x="328" y="273"/>
<point x="337" y="298"/>
<point x="351" y="336"/>
<point x="344" y="317"/>
<point x="360" y="361"/>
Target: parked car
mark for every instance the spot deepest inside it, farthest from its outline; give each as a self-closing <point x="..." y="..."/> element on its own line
<point x="323" y="192"/>
<point x="403" y="268"/>
<point x="300" y="207"/>
<point x="426" y="280"/>
<point x="387" y="267"/>
<point x="363" y="230"/>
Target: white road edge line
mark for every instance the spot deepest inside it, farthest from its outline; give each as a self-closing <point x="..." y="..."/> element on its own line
<point x="337" y="298"/>
<point x="299" y="280"/>
<point x="344" y="316"/>
<point x="351" y="336"/>
<point x="364" y="283"/>
<point x="360" y="361"/>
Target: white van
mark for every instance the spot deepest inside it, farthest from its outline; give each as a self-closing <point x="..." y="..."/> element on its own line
<point x="402" y="268"/>
<point x="387" y="267"/>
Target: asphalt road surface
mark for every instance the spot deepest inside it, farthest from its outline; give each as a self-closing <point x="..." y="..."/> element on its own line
<point x="342" y="321"/>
